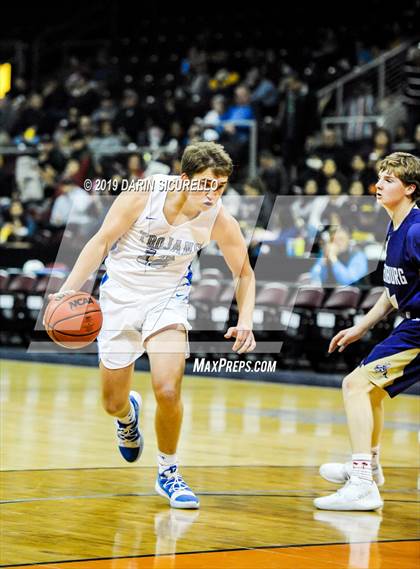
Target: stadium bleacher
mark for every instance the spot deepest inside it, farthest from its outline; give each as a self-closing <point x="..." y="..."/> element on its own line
<point x="126" y="107"/>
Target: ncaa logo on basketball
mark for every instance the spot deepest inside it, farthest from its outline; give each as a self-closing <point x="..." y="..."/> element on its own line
<point x="79" y="302"/>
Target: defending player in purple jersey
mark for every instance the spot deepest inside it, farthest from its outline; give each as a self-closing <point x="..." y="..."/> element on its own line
<point x="394" y="364"/>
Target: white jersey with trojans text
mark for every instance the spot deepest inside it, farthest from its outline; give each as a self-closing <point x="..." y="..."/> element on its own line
<point x="148" y="280"/>
<point x="153" y="254"/>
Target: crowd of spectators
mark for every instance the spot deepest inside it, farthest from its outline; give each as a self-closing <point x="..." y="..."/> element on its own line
<point x="93" y="120"/>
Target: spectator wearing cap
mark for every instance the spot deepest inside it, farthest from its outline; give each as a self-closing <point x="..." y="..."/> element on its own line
<point x="340" y="262"/>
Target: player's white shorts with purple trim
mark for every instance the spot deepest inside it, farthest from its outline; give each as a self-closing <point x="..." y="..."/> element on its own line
<point x="130" y="317"/>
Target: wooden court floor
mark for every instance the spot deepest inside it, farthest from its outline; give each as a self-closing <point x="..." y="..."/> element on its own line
<point x="251" y="451"/>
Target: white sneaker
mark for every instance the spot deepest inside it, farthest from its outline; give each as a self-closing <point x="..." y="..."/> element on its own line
<point x="356" y="494"/>
<point x="171" y="485"/>
<point x="340" y="472"/>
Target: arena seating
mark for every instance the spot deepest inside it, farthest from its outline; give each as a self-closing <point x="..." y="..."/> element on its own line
<point x="306" y="315"/>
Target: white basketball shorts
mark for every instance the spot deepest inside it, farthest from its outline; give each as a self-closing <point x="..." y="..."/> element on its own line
<point x="130" y="317"/>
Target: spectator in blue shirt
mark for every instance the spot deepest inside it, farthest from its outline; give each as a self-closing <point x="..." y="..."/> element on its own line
<point x="241" y="110"/>
<point x="235" y="138"/>
<point x="340" y="263"/>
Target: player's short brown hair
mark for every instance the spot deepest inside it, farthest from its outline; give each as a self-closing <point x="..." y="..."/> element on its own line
<point x="199" y="156"/>
<point x="404" y="166"/>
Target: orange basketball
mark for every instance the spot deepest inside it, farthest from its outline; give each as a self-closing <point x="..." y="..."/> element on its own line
<point x="73" y="321"/>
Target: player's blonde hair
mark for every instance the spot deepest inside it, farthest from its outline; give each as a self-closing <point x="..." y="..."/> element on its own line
<point x="199" y="156"/>
<point x="404" y="166"/>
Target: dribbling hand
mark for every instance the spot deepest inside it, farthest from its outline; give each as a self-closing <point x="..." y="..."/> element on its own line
<point x="60" y="295"/>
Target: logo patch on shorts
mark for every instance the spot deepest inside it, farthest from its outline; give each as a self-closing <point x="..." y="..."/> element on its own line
<point x="382" y="368"/>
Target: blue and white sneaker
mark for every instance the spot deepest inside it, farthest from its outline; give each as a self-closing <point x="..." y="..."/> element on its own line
<point x="130" y="438"/>
<point x="170" y="485"/>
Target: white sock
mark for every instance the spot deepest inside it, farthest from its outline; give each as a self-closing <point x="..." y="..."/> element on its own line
<point x="166" y="460"/>
<point x="375" y="457"/>
<point x="362" y="466"/>
<point x="128" y="418"/>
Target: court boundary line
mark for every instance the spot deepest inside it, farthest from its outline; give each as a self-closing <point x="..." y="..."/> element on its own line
<point x="263" y="494"/>
<point x="258" y="547"/>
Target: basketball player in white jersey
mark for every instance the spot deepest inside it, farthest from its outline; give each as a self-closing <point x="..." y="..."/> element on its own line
<point x="149" y="239"/>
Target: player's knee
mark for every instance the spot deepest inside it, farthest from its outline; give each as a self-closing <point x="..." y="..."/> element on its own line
<point x="112" y="405"/>
<point x="354" y="383"/>
<point x="167" y="395"/>
<point x="346" y="384"/>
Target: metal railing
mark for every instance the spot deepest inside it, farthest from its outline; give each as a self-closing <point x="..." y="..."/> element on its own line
<point x="252" y="144"/>
<point x="382" y="76"/>
<point x="343" y="124"/>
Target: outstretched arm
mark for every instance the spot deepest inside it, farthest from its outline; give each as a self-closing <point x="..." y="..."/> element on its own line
<point x="228" y="235"/>
<point x="345" y="337"/>
<point x="120" y="217"/>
